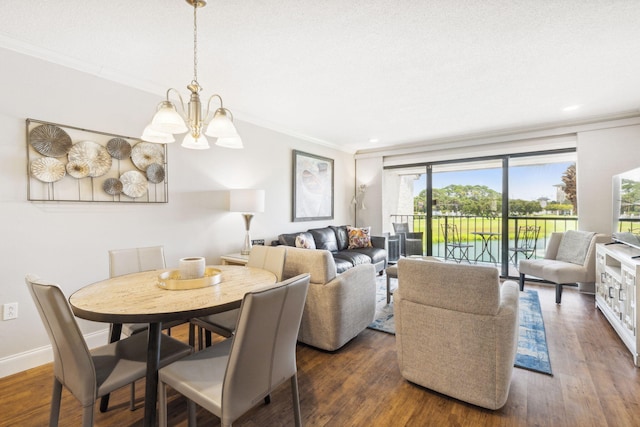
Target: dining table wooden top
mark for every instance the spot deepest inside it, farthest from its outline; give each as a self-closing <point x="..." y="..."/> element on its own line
<point x="139" y="298"/>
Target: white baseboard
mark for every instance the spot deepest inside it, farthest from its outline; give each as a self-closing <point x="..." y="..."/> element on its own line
<point x="39" y="356"/>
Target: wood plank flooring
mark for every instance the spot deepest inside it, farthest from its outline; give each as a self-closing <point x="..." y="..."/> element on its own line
<point x="594" y="384"/>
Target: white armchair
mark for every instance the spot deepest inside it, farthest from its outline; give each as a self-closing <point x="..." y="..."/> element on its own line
<point x="569" y="258"/>
<point x="456" y="329"/>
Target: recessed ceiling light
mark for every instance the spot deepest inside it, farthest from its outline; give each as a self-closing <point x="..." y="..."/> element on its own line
<point x="572" y="107"/>
<point x="374" y="140"/>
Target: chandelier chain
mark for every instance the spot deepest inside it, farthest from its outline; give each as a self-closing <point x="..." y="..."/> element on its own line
<point x="195" y="42"/>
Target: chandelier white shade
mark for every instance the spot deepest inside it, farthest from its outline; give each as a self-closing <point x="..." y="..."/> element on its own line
<point x="151" y="135"/>
<point x="169" y="120"/>
<point x="195" y="144"/>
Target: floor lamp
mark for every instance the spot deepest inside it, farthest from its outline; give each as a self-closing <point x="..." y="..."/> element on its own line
<point x="248" y="202"/>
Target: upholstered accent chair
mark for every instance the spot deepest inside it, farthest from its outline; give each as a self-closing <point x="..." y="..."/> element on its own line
<point x="410" y="242"/>
<point x="456" y="329"/>
<point x="569" y="258"/>
<point x="338" y="306"/>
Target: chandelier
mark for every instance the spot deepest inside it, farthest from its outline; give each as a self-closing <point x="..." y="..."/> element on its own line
<point x="168" y="121"/>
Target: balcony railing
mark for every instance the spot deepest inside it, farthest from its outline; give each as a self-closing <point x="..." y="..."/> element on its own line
<point x="471" y="229"/>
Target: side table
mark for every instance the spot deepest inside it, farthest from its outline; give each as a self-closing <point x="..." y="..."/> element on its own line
<point x="234" y="259"/>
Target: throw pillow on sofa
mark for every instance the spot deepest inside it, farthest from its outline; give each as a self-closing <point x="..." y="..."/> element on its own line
<point x="303" y="240"/>
<point x="359" y="237"/>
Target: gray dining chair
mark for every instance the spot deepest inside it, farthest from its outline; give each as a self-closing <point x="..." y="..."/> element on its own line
<point x="90" y="374"/>
<point x="229" y="378"/>
<point x="135" y="260"/>
<point x="269" y="258"/>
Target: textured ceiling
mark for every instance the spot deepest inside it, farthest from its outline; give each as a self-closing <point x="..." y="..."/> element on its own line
<point x="343" y="72"/>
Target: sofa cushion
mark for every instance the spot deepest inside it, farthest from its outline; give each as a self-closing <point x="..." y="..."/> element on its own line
<point x="354" y="257"/>
<point x="342" y="236"/>
<point x="359" y="237"/>
<point x="376" y="255"/>
<point x="305" y="241"/>
<point x="574" y="246"/>
<point x="342" y="265"/>
<point x="325" y="238"/>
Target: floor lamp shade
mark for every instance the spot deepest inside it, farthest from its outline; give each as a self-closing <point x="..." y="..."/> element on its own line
<point x="248" y="202"/>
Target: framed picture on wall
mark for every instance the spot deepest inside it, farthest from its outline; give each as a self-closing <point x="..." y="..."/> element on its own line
<point x="312" y="187"/>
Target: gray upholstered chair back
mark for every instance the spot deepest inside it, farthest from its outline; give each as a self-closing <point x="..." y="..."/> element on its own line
<point x="134" y="260"/>
<point x="456" y="329"/>
<point x="263" y="353"/>
<point x="72" y="363"/>
<point x="269" y="258"/>
<point x="400" y="227"/>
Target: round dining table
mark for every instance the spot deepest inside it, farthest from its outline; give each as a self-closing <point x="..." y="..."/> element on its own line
<point x="140" y="298"/>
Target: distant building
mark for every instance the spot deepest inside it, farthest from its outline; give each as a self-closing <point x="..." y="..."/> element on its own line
<point x="561" y="196"/>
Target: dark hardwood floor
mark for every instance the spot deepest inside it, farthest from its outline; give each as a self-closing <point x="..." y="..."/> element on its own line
<point x="594" y="384"/>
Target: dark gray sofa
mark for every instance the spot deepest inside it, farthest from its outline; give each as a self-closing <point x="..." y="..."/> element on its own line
<point x="335" y="240"/>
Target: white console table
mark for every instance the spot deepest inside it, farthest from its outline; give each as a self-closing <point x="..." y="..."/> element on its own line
<point x="617" y="272"/>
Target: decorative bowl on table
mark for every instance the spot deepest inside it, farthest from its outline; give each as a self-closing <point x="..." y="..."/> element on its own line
<point x="171" y="280"/>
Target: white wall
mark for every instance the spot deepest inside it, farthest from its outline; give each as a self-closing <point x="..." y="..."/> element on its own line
<point x="67" y="243"/>
<point x="601" y="154"/>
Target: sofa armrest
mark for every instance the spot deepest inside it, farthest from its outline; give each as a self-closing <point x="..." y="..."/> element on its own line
<point x="379" y="242"/>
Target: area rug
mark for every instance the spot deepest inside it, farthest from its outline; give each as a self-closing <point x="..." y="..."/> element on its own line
<point x="532" y="351"/>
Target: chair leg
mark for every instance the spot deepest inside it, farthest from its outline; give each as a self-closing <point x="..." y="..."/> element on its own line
<point x="192" y="335"/>
<point x="558" y="293"/>
<point x="56" y="397"/>
<point x="521" y="281"/>
<point x="296" y="400"/>
<point x="162" y="404"/>
<point x="132" y="399"/>
<point x="207" y="338"/>
<point x="87" y="416"/>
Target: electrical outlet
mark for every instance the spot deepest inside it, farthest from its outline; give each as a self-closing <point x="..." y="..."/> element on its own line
<point x="10" y="311"/>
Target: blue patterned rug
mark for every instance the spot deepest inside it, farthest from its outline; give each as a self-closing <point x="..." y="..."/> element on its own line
<point x="532" y="341"/>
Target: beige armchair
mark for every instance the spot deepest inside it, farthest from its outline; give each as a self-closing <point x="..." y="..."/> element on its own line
<point x="338" y="306"/>
<point x="569" y="258"/>
<point x="456" y="330"/>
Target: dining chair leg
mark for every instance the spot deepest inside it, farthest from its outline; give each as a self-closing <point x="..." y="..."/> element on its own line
<point x="56" y="397"/>
<point x="296" y="400"/>
<point x="192" y="335"/>
<point x="191" y="408"/>
<point x="162" y="404"/>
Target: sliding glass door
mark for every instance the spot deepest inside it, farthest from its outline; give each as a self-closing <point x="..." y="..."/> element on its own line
<point x="495" y="210"/>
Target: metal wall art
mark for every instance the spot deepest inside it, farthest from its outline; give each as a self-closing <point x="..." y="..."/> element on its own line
<point x="65" y="163"/>
<point x="312" y="187"/>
